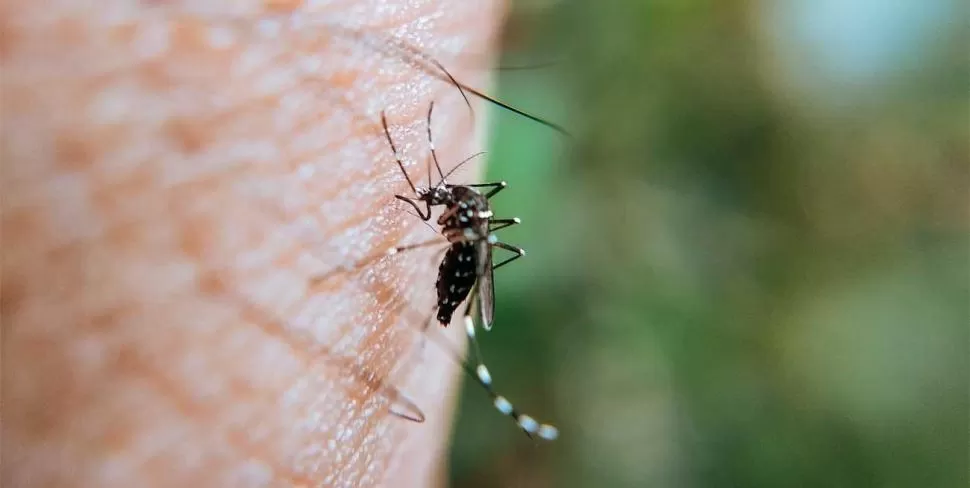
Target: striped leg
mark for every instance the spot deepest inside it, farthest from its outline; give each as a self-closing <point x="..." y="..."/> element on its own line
<point x="371" y="259"/>
<point x="519" y="252"/>
<point x="529" y="425"/>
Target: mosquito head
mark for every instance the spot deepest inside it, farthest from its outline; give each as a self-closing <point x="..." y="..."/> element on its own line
<point x="436" y="195"/>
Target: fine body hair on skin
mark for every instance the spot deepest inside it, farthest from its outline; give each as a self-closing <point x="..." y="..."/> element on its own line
<point x="171" y="184"/>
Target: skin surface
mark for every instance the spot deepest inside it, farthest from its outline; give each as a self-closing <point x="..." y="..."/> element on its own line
<point x="174" y="178"/>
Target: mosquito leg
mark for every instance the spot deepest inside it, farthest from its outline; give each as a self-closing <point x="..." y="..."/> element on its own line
<point x="502" y="184"/>
<point x="368" y="260"/>
<point x="427" y="164"/>
<point x="495" y="187"/>
<point x="395" y="250"/>
<point x="399" y="404"/>
<point x="499" y="224"/>
<point x="397" y="158"/>
<point x="434" y="155"/>
<point x="452" y="238"/>
<point x="529" y="425"/>
<point x="419" y="350"/>
<point x="461" y="235"/>
<point x="519" y="252"/>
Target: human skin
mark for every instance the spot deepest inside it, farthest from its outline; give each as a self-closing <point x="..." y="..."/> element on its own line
<point x="174" y="186"/>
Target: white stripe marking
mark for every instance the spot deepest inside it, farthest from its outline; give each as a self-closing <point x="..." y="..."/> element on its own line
<point x="483" y="374"/>
<point x="528" y="424"/>
<point x="548" y="432"/>
<point x="503" y="405"/>
<point x="470" y="327"/>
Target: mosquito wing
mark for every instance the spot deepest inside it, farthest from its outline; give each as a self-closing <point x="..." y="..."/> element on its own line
<point x="486" y="283"/>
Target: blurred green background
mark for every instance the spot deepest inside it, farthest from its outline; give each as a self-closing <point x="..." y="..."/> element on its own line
<point x="750" y="267"/>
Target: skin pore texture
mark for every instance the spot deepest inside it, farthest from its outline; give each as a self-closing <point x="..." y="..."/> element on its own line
<point x="175" y="175"/>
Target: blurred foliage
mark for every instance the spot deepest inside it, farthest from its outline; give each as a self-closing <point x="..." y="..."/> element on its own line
<point x="750" y="267"/>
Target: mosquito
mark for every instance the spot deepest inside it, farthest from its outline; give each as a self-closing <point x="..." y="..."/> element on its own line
<point x="466" y="272"/>
<point x="467" y="269"/>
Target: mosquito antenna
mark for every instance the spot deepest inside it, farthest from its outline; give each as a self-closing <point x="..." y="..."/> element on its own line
<point x="459" y="165"/>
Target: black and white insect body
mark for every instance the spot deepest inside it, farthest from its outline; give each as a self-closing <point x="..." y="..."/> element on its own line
<point x="466" y="270"/>
<point x="456" y="277"/>
<point x="468" y="224"/>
